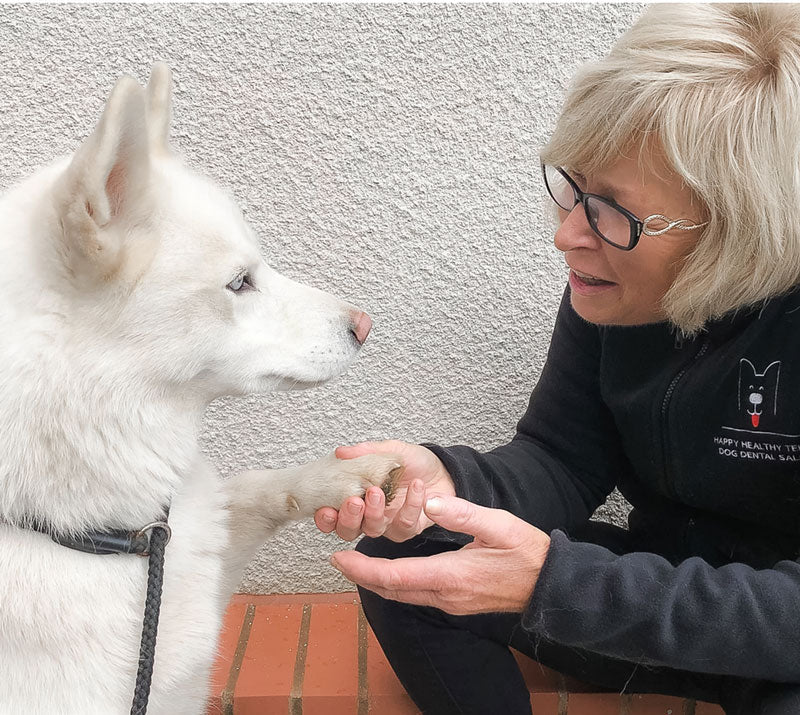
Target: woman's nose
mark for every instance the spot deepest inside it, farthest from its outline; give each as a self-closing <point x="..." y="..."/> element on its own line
<point x="574" y="231"/>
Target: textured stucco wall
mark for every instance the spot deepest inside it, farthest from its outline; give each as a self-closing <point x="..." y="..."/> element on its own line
<point x="387" y="153"/>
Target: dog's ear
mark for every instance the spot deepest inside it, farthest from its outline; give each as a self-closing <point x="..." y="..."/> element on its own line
<point x="775" y="367"/>
<point x="159" y="107"/>
<point x="104" y="189"/>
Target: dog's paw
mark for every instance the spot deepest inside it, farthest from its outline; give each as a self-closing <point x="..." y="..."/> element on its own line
<point x="380" y="470"/>
<point x="375" y="470"/>
<point x="331" y="481"/>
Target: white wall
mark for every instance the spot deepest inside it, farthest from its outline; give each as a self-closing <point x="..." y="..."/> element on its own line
<point x="387" y="153"/>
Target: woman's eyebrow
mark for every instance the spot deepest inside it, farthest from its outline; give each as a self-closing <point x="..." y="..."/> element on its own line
<point x="603" y="189"/>
<point x="600" y="187"/>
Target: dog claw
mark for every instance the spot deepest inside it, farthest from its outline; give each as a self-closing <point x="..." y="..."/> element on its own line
<point x="292" y="503"/>
<point x="389" y="486"/>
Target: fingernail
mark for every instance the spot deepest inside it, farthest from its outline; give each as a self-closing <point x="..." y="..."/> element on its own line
<point x="328" y="519"/>
<point x="354" y="508"/>
<point x="434" y="505"/>
<point x="374" y="498"/>
<point x="418" y="487"/>
<point x="334" y="563"/>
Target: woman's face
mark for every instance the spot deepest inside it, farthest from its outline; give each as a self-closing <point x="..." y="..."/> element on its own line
<point x="634" y="282"/>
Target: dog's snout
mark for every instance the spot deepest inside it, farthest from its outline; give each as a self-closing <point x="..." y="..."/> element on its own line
<point x="756" y="398"/>
<point x="361" y="325"/>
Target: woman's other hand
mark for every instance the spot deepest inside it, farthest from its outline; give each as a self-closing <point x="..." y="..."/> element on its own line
<point x="495" y="572"/>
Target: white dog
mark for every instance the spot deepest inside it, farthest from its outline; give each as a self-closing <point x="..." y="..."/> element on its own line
<point x="132" y="293"/>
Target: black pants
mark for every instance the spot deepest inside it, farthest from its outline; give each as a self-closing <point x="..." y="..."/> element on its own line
<point x="462" y="664"/>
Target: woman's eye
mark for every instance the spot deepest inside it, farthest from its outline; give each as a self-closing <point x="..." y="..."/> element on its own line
<point x="242" y="280"/>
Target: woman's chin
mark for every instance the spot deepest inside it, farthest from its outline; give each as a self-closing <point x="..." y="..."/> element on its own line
<point x="599" y="311"/>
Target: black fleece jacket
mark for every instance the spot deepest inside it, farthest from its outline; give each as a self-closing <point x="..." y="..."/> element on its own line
<point x="703" y="439"/>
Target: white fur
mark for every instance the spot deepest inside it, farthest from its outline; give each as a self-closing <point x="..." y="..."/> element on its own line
<point x="117" y="330"/>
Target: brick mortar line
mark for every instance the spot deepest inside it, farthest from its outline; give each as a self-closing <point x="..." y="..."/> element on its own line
<point x="238" y="657"/>
<point x="363" y="684"/>
<point x="296" y="694"/>
<point x="563" y="695"/>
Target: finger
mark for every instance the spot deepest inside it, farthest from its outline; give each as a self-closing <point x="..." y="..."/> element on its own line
<point x="405" y="523"/>
<point x="493" y="527"/>
<point x="348" y="525"/>
<point x="325" y="519"/>
<point x="374" y="512"/>
<point x="418" y="573"/>
<point x="416" y="598"/>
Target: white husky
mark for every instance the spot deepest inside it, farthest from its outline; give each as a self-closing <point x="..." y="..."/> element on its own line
<point x="132" y="294"/>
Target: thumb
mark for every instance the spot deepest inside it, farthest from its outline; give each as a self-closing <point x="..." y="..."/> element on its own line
<point x="352" y="451"/>
<point x="387" y="446"/>
<point x="491" y="527"/>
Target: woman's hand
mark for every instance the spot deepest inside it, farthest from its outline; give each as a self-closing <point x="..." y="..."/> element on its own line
<point x="404" y="517"/>
<point x="495" y="572"/>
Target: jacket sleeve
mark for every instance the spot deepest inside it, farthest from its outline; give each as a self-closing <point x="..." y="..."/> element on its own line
<point x="566" y="455"/>
<point x="732" y="620"/>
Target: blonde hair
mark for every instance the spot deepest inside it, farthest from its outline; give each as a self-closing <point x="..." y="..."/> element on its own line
<point x="717" y="88"/>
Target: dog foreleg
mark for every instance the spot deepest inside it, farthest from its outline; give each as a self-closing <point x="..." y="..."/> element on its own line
<point x="260" y="501"/>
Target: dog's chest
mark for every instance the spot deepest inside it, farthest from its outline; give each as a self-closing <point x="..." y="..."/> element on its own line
<point x="71" y="622"/>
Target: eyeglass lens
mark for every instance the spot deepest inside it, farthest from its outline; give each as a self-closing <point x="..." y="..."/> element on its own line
<point x="609" y="223"/>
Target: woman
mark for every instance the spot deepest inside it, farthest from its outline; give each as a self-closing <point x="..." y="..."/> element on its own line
<point x="675" y="170"/>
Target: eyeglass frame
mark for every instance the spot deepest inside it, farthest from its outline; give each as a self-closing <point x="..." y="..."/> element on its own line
<point x="637" y="226"/>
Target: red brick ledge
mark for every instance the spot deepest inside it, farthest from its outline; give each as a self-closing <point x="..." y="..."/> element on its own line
<point x="314" y="654"/>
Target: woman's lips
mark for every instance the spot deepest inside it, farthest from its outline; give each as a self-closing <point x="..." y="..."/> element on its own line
<point x="588" y="285"/>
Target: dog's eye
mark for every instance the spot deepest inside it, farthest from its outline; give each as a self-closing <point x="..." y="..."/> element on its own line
<point x="241" y="282"/>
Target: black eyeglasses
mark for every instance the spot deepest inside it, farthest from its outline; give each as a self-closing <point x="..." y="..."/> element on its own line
<point x="612" y="222"/>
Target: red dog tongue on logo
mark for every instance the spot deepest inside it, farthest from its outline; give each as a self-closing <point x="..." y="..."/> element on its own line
<point x="754" y="419"/>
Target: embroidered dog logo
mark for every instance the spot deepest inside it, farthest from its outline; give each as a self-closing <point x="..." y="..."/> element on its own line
<point x="758" y="391"/>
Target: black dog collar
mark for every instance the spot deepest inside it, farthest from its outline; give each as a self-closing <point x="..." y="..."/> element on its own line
<point x="115" y="541"/>
<point x="110" y="542"/>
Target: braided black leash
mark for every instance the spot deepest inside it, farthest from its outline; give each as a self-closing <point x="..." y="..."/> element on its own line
<point x="159" y="537"/>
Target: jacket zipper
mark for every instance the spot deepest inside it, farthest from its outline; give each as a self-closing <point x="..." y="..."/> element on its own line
<point x="664" y="406"/>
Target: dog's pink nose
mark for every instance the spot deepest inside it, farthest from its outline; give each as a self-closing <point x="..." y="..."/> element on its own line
<point x="362" y="324"/>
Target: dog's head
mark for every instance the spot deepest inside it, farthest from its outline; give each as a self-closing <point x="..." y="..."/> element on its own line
<point x="161" y="277"/>
<point x="758" y="392"/>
